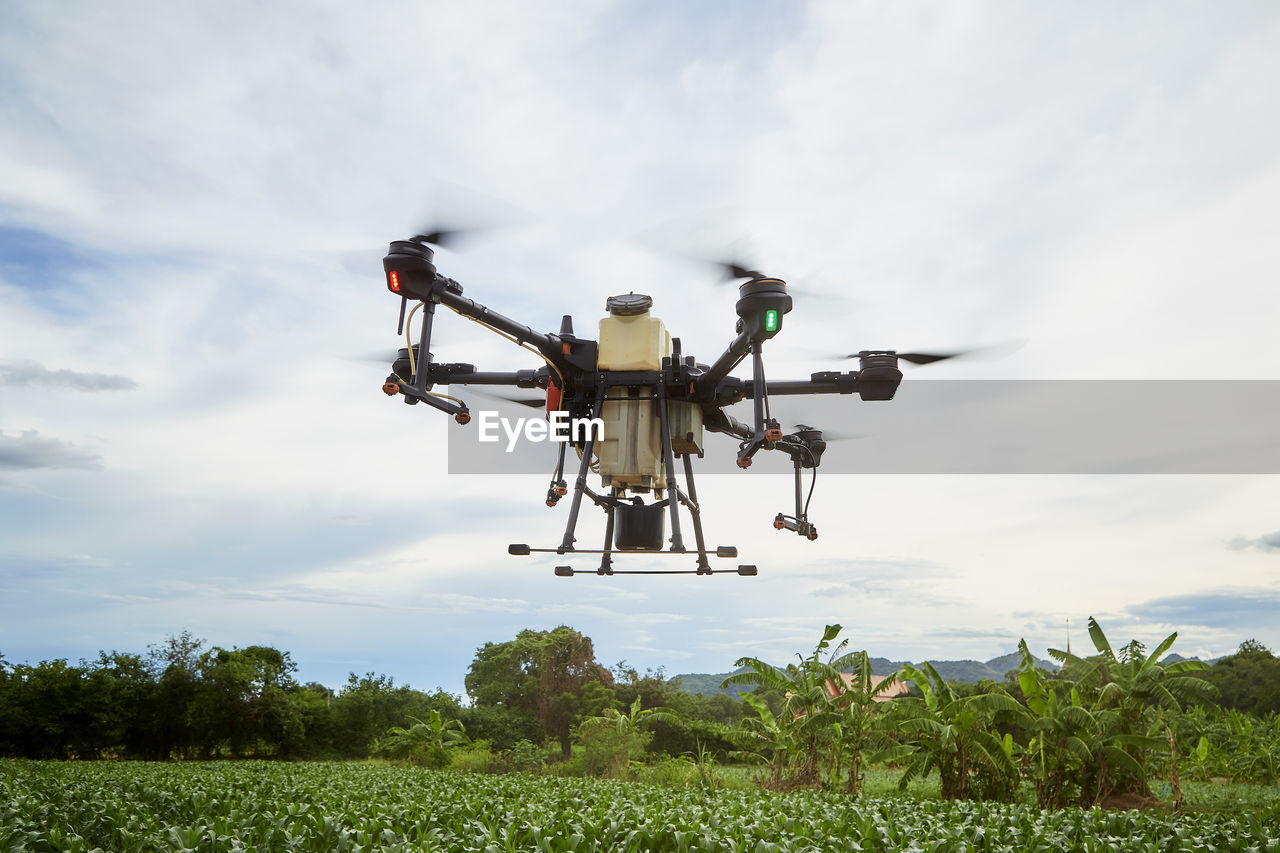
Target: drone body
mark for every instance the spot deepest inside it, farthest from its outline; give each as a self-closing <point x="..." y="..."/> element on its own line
<point x="652" y="403"/>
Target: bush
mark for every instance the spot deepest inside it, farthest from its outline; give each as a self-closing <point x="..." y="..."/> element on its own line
<point x="669" y="772"/>
<point x="476" y="757"/>
<point x="608" y="752"/>
<point x="433" y="756"/>
<point x="527" y="757"/>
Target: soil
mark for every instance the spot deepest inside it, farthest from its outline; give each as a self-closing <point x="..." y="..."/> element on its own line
<point x="1126" y="801"/>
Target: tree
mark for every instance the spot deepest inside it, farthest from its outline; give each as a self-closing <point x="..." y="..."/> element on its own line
<point x="541" y="673"/>
<point x="175" y="664"/>
<point x="368" y="706"/>
<point x="1248" y="680"/>
<point x="243" y="698"/>
<point x="123" y="689"/>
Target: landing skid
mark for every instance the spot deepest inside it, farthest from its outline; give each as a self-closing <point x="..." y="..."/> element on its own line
<point x="613" y="503"/>
<point x="606" y="564"/>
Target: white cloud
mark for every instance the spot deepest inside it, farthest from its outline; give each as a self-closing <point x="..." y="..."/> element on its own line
<point x="1096" y="180"/>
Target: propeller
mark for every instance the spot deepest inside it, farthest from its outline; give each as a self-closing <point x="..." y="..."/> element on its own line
<point x="828" y="435"/>
<point x="732" y="270"/>
<point x="993" y="351"/>
<point x="929" y="358"/>
<point x="451" y="237"/>
<point x="533" y="402"/>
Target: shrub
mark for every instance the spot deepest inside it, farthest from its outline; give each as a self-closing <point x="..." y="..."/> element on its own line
<point x="527" y="757"/>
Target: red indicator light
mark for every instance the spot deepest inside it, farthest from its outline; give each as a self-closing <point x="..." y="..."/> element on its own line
<point x="393" y="281"/>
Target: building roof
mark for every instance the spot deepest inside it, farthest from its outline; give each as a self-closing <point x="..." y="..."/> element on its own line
<point x="893" y="691"/>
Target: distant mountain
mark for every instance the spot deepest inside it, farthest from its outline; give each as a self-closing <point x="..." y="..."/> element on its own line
<point x="964" y="671"/>
<point x="706" y="684"/>
<point x="1174" y="657"/>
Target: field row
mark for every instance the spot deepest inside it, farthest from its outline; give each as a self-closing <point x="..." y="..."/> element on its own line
<point x="129" y="807"/>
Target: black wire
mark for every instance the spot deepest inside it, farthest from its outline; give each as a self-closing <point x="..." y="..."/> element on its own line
<point x="764" y="392"/>
<point x="812" y="483"/>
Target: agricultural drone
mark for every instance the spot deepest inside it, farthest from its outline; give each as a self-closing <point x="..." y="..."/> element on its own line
<point x="651" y="402"/>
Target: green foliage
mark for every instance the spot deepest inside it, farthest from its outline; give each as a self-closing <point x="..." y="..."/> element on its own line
<point x="790" y="741"/>
<point x="501" y="726"/>
<point x="608" y="752"/>
<point x="133" y="807"/>
<point x="957" y="736"/>
<point x="426" y="742"/>
<point x="1116" y="723"/>
<point x="477" y="757"/>
<point x="1247" y="681"/>
<point x="1120" y="690"/>
<point x="182" y="701"/>
<point x="547" y="675"/>
<point x="613" y="739"/>
<point x="859" y="725"/>
<point x="527" y="757"/>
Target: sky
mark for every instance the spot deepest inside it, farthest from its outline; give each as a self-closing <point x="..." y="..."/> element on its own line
<point x="195" y="199"/>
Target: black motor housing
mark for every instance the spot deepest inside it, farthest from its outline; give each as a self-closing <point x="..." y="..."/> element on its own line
<point x="413" y="264"/>
<point x="878" y="374"/>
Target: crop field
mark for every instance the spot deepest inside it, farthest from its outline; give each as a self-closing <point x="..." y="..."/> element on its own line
<point x="109" y="806"/>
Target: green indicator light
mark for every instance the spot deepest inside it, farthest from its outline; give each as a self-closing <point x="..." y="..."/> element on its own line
<point x="771" y="320"/>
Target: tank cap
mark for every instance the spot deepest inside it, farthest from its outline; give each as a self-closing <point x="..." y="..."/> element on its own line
<point x="628" y="304"/>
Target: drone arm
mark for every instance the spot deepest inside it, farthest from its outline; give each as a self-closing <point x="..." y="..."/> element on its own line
<point x="829" y="382"/>
<point x="877" y="380"/>
<point x="548" y="345"/>
<point x="466" y="374"/>
<point x="717" y="420"/>
<point x="730" y="359"/>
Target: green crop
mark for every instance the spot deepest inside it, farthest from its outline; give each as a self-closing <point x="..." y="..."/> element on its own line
<point x="125" y="807"/>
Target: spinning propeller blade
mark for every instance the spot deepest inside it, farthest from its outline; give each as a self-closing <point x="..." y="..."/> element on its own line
<point x="733" y="270"/>
<point x="928" y="358"/>
<point x="829" y="435"/>
<point x="533" y="402"/>
<point x="994" y="350"/>
<point x="452" y="237"/>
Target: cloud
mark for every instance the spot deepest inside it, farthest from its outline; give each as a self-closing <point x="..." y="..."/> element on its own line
<point x="1269" y="542"/>
<point x="1227" y="608"/>
<point x="160" y="218"/>
<point x="31" y="450"/>
<point x="27" y="373"/>
<point x="883" y="579"/>
<point x="973" y="634"/>
<point x="436" y="602"/>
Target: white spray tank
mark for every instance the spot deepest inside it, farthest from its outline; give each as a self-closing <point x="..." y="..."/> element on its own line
<point x="630" y="453"/>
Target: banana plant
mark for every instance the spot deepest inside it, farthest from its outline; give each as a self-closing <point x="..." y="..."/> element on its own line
<point x="955" y="735"/>
<point x="808" y="713"/>
<point x="861" y="736"/>
<point x="1060" y="728"/>
<point x="1119" y="688"/>
<point x="630" y="721"/>
<point x="427" y="739"/>
<point x="764" y="739"/>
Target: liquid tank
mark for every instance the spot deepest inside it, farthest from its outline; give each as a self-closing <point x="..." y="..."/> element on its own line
<point x="630" y="453"/>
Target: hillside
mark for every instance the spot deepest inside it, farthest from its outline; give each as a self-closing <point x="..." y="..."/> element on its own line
<point x="964" y="671"/>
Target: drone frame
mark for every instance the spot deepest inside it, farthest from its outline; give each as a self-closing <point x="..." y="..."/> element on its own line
<point x="583" y="389"/>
